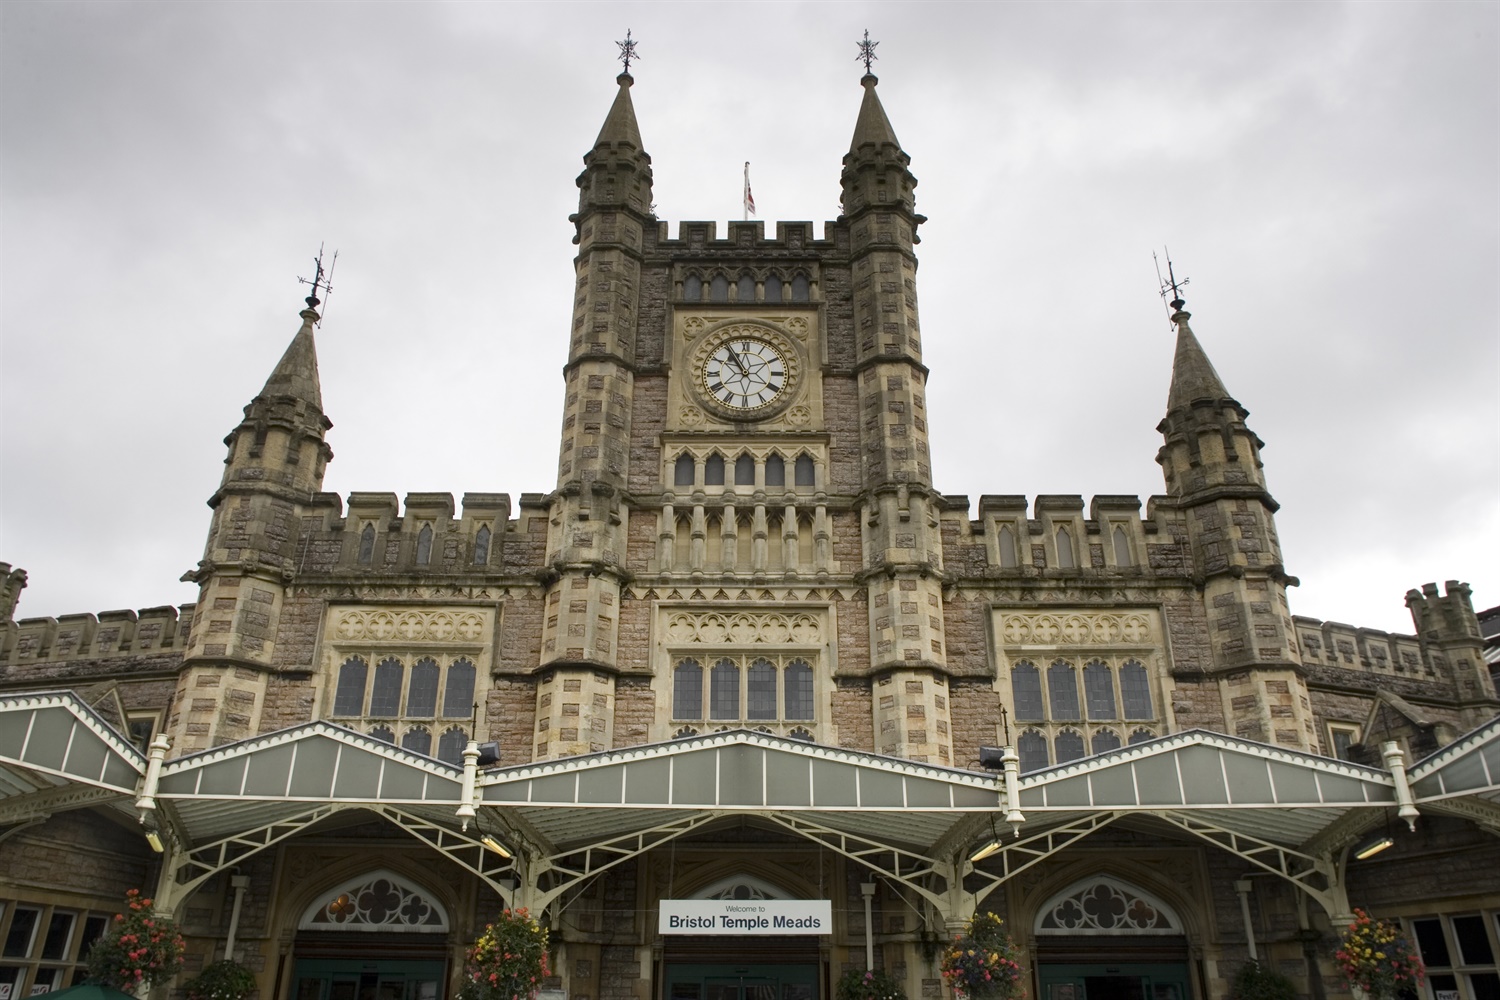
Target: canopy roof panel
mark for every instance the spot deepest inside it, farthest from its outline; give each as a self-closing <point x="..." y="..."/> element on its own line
<point x="1470" y="765"/>
<point x="51" y="738"/>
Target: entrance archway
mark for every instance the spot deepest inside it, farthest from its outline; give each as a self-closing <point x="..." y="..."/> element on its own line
<point x="745" y="968"/>
<point x="1102" y="938"/>
<point x="378" y="936"/>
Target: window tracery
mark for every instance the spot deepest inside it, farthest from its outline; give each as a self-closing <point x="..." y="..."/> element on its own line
<point x="1104" y="905"/>
<point x="377" y="902"/>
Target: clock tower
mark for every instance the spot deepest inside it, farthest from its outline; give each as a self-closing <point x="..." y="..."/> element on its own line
<point x="744" y="531"/>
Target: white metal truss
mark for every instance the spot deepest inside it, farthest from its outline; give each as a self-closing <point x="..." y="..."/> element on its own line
<point x="1301" y="870"/>
<point x="568" y="868"/>
<point x="1485" y="814"/>
<point x="467" y="852"/>
<point x="196" y="865"/>
<point x="40" y="805"/>
<point x="1017" y="856"/>
<point x="917" y="874"/>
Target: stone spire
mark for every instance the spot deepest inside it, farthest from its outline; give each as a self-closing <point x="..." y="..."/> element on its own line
<point x="617" y="171"/>
<point x="876" y="172"/>
<point x="1193" y="375"/>
<point x="295" y="376"/>
<point x="872" y="127"/>
<point x="620" y="124"/>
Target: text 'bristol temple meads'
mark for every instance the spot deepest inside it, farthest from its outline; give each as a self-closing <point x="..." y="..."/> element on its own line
<point x="746" y="653"/>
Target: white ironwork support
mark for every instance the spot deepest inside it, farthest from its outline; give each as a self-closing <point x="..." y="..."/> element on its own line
<point x="184" y="871"/>
<point x="1243" y="887"/>
<point x="1295" y="867"/>
<point x="41" y="805"/>
<point x="465" y="811"/>
<point x="1011" y="762"/>
<point x="874" y="855"/>
<point x="1395" y="762"/>
<point x="467" y="852"/>
<point x="146" y="800"/>
<point x="1014" y="858"/>
<point x="239" y="883"/>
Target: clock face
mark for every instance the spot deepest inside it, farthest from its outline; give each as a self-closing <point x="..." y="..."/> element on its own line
<point x="745" y="373"/>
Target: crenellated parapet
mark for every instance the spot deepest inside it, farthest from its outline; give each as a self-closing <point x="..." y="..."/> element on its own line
<point x="118" y="638"/>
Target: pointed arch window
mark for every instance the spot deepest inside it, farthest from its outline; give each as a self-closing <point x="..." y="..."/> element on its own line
<point x="385" y="694"/>
<point x="773" y="289"/>
<point x="745" y="292"/>
<point x="805" y="472"/>
<point x="482" y="545"/>
<point x="775" y="471"/>
<point x="1105" y="906"/>
<point x="1065" y="558"/>
<point x="1104" y="740"/>
<point x="692" y="288"/>
<point x="685" y="471"/>
<point x="367" y="545"/>
<point x="724" y="691"/>
<point x="377" y="901"/>
<point x="1007" y="547"/>
<point x="424" y="545"/>
<point x="451" y="746"/>
<point x="1122" y="547"/>
<point x="1099" y="690"/>
<point x="384" y="734"/>
<point x="1026" y="689"/>
<point x="687" y="690"/>
<point x="718" y="289"/>
<point x="1032" y="749"/>
<point x="349" y="697"/>
<point x="800" y="288"/>
<point x="1062" y="685"/>
<point x="1141" y="736"/>
<point x="458" y="698"/>
<point x="713" y="470"/>
<point x="422" y="690"/>
<point x="799" y="690"/>
<point x="744" y="471"/>
<point x="760" y="691"/>
<point x="1069" y="744"/>
<point x="417" y="740"/>
<point x="1135" y="691"/>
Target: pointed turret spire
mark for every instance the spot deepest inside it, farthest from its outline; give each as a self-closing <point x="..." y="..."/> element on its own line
<point x="877" y="174"/>
<point x="617" y="170"/>
<point x="296" y="374"/>
<point x="1193" y="375"/>
<point x="620" y="124"/>
<point x="872" y="127"/>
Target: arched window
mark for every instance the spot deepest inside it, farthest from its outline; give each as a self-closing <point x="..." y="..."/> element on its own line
<point x="417" y="740"/>
<point x="1104" y="741"/>
<point x="1065" y="558"/>
<point x="692" y="288"/>
<point x="422" y="689"/>
<point x="746" y="290"/>
<point x="451" y="746"/>
<point x="804" y="471"/>
<point x="713" y="470"/>
<point x="1032" y="749"/>
<point x="801" y="733"/>
<point x="1062" y="685"/>
<point x="376" y="901"/>
<point x="773" y="289"/>
<point x="1103" y="905"/>
<point x="458" y="697"/>
<point x="799" y="690"/>
<point x="775" y="471"/>
<point x="482" y="545"/>
<point x="1141" y="736"/>
<point x="684" y="471"/>
<point x="760" y="691"/>
<point x="385" y="694"/>
<point x="1007" y="547"/>
<point x="744" y="471"/>
<point x="687" y="690"/>
<point x="718" y="289"/>
<point x="349" y="697"/>
<point x="1026" y="689"/>
<point x="1069" y="744"/>
<point x="684" y="733"/>
<point x="367" y="545"/>
<point x="384" y="734"/>
<point x="724" y="691"/>
<point x="799" y="288"/>
<point x="1135" y="691"/>
<point x="424" y="545"/>
<point x="1099" y="690"/>
<point x="1122" y="547"/>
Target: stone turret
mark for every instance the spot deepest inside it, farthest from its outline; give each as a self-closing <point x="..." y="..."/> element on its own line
<point x="12" y="582"/>
<point x="586" y="543"/>
<point x="1453" y="646"/>
<point x="903" y="548"/>
<point x="276" y="459"/>
<point x="1211" y="461"/>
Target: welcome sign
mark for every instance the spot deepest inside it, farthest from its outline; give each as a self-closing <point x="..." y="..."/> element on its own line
<point x="746" y="916"/>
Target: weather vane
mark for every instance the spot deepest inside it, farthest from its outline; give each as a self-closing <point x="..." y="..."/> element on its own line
<point x="627" y="51"/>
<point x="867" y="52"/>
<point x="320" y="279"/>
<point x="1171" y="284"/>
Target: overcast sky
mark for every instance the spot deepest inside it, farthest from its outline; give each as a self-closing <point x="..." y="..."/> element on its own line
<point x="1326" y="174"/>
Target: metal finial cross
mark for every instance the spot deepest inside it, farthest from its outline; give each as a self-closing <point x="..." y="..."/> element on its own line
<point x="627" y="50"/>
<point x="1171" y="284"/>
<point x="867" y="51"/>
<point x="320" y="279"/>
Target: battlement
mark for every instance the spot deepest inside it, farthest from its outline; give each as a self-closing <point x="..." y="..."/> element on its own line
<point x="1063" y="532"/>
<point x="1334" y="644"/>
<point x="109" y="634"/>
<point x="792" y="239"/>
<point x="1444" y="618"/>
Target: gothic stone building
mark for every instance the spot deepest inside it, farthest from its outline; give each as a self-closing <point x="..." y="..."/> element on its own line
<point x="766" y="706"/>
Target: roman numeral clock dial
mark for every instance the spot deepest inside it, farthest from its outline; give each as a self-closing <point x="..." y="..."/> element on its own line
<point x="745" y="374"/>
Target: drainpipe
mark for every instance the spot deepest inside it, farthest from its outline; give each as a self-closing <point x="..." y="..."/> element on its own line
<point x="1243" y="887"/>
<point x="239" y="883"/>
<point x="867" y="889"/>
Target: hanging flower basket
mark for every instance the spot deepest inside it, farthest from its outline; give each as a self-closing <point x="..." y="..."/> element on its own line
<point x="983" y="963"/>
<point x="508" y="961"/>
<point x="140" y="948"/>
<point x="865" y="984"/>
<point x="1377" y="957"/>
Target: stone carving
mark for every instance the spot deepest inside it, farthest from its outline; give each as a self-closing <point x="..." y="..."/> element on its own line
<point x="743" y="629"/>
<point x="799" y="416"/>
<point x="380" y="903"/>
<point x="797" y="326"/>
<point x="382" y="625"/>
<point x="690" y="416"/>
<point x="1105" y="907"/>
<point x="692" y="326"/>
<point x="1075" y="629"/>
